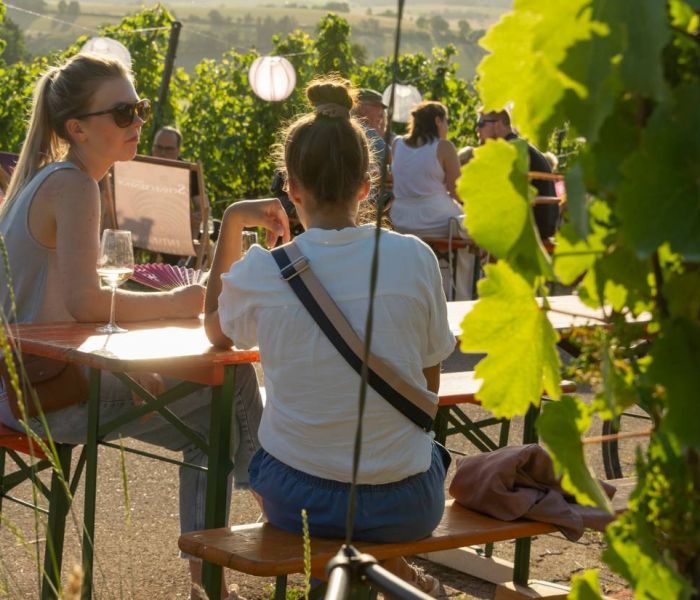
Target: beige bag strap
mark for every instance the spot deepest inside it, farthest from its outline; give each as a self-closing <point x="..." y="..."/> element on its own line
<point x="413" y="402"/>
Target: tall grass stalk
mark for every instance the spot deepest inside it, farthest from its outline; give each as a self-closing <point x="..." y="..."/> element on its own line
<point x="307" y="553"/>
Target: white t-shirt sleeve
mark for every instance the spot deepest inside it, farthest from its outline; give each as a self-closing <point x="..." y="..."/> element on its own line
<point x="441" y="340"/>
<point x="238" y="302"/>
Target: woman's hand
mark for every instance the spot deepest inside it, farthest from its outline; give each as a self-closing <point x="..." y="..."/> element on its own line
<point x="268" y="213"/>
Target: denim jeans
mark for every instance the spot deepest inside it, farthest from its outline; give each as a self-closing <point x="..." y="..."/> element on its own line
<point x="70" y="426"/>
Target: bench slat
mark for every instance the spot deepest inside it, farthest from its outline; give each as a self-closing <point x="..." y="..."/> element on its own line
<point x="263" y="550"/>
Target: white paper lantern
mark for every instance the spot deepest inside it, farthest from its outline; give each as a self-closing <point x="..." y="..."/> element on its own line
<point x="405" y="98"/>
<point x="108" y="47"/>
<point x="272" y="78"/>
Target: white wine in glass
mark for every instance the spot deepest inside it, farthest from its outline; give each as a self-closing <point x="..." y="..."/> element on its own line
<point x="115" y="264"/>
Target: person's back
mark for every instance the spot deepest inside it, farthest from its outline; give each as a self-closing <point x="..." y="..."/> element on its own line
<point x="417" y="171"/>
<point x="310" y="416"/>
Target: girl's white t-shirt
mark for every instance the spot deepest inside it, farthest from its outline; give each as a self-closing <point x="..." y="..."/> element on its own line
<point x="312" y="393"/>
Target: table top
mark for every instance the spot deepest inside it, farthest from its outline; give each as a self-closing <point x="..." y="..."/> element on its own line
<point x="567" y="312"/>
<point x="177" y="348"/>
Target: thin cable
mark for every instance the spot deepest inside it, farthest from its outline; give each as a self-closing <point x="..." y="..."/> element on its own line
<point x="43" y="16"/>
<point x="374" y="275"/>
<point x="73" y="25"/>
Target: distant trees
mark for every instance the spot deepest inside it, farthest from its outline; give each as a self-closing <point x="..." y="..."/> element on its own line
<point x="15" y="46"/>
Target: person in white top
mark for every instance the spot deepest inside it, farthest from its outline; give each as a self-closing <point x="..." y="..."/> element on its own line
<point x="425" y="168"/>
<point x="310" y="416"/>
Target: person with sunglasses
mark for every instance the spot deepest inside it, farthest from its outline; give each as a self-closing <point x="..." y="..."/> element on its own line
<point x="86" y="115"/>
<point x="497" y="125"/>
<point x="425" y="168"/>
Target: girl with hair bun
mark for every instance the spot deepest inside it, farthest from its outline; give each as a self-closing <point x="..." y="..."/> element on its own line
<point x="308" y="425"/>
<point x="86" y="115"/>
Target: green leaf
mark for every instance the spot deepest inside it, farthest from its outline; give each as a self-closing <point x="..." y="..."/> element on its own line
<point x="573" y="255"/>
<point x="497" y="210"/>
<point x="525" y="60"/>
<point x="560" y="427"/>
<point x="645" y="31"/>
<point x="675" y="365"/>
<point x="519" y="341"/>
<point x="682" y="291"/>
<point x="577" y="200"/>
<point x="585" y="586"/>
<point x="659" y="198"/>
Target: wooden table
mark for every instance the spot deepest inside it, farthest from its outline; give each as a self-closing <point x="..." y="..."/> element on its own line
<point x="176" y="348"/>
<point x="566" y="312"/>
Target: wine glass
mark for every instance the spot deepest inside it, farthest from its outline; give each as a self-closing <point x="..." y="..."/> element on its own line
<point x="248" y="238"/>
<point x="115" y="265"/>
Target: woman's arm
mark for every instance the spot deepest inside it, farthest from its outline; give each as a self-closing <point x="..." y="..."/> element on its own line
<point x="65" y="214"/>
<point x="449" y="160"/>
<point x="432" y="378"/>
<point x="267" y="213"/>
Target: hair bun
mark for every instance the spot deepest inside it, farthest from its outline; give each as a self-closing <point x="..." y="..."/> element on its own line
<point x="330" y="89"/>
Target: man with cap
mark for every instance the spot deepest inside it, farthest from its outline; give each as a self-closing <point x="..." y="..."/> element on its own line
<point x="371" y="112"/>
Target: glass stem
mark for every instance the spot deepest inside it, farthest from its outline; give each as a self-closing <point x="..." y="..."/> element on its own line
<point x="111" y="308"/>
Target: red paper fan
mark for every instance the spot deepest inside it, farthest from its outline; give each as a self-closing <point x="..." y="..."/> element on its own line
<point x="161" y="276"/>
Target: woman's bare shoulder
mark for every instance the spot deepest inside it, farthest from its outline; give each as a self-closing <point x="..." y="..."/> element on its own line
<point x="68" y="184"/>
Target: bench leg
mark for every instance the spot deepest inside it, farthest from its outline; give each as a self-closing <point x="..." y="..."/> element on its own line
<point x="59" y="504"/>
<point x="280" y="587"/>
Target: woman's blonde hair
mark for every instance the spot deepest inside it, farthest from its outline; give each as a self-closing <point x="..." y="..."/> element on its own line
<point x="326" y="150"/>
<point x="60" y="94"/>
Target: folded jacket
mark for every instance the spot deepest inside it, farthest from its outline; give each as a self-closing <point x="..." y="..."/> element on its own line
<point x="519" y="482"/>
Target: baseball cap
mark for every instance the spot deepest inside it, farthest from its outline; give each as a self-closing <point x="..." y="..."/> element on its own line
<point x="371" y="97"/>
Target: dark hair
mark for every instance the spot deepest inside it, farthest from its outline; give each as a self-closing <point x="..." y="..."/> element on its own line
<point x="421" y="126"/>
<point x="326" y="150"/>
<point x="501" y="115"/>
<point x="173" y="130"/>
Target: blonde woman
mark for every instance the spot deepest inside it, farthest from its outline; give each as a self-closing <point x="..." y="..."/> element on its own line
<point x="85" y="116"/>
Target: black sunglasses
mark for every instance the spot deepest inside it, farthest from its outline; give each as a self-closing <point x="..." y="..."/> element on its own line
<point x="125" y="113"/>
<point x="481" y="122"/>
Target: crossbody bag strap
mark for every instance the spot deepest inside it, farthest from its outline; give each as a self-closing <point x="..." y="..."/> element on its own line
<point x="412" y="402"/>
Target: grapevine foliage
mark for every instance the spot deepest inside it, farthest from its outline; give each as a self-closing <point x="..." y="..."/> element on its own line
<point x="625" y="78"/>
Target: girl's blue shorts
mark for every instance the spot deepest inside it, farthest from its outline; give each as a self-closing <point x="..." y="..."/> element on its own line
<point x="401" y="511"/>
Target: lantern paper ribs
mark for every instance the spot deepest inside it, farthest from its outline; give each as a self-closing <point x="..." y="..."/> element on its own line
<point x="161" y="276"/>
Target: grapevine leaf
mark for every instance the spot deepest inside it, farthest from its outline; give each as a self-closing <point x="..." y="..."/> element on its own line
<point x="576" y="200"/>
<point x="573" y="255"/>
<point x="514" y="331"/>
<point x="645" y="30"/>
<point x="676" y="356"/>
<point x="585" y="586"/>
<point x="631" y="552"/>
<point x="497" y="212"/>
<point x="683" y="294"/>
<point x="560" y="427"/>
<point x="525" y="60"/>
<point x="658" y="200"/>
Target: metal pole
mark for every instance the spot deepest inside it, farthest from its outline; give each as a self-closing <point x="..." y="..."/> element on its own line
<point x="167" y="73"/>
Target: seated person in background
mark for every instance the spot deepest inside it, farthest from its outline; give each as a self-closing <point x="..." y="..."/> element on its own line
<point x="167" y="143"/>
<point x="425" y="169"/>
<point x="497" y="125"/>
<point x="308" y="426"/>
<point x="370" y="110"/>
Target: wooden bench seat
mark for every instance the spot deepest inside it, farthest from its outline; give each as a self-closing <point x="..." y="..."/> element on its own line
<point x="18" y="440"/>
<point x="265" y="551"/>
<point x="461" y="388"/>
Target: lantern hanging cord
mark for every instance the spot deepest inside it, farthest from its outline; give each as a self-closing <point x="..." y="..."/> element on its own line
<point x="74" y="26"/>
<point x="374" y="275"/>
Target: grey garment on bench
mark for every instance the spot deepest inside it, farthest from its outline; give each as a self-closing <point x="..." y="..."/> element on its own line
<point x="519" y="482"/>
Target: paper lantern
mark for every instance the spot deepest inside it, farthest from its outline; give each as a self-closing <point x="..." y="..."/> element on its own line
<point x="108" y="47"/>
<point x="405" y="98"/>
<point x="272" y="78"/>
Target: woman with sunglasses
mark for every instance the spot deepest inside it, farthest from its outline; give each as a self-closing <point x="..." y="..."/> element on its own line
<point x="85" y="116"/>
<point x="425" y="167"/>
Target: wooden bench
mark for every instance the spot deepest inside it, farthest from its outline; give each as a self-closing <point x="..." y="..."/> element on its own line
<point x="263" y="550"/>
<point x="446" y="249"/>
<point x="461" y="388"/>
<point x="14" y="444"/>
